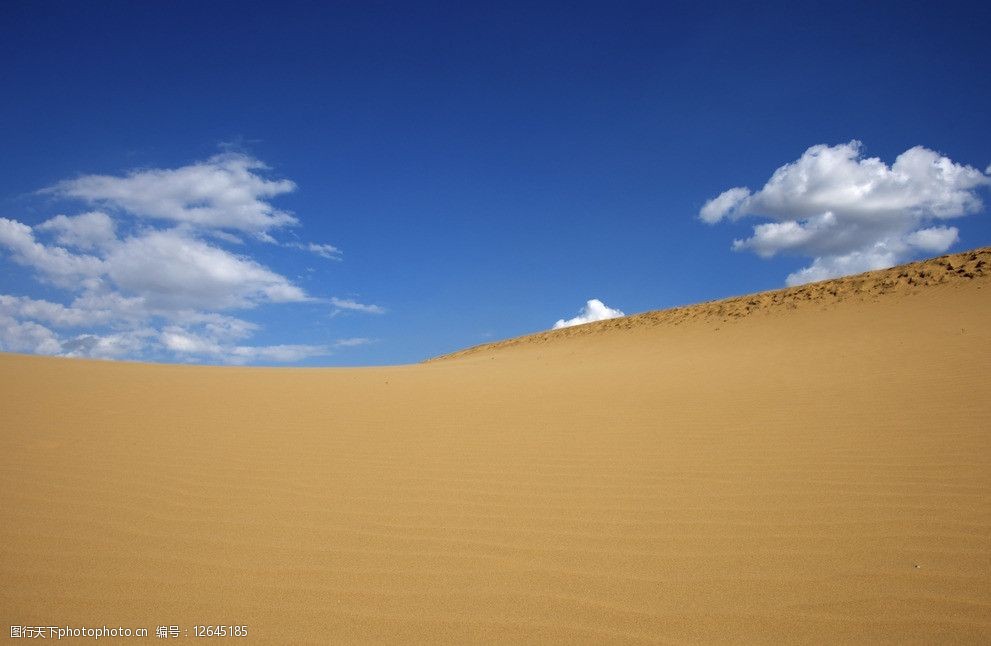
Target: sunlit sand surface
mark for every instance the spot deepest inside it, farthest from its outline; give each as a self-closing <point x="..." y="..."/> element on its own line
<point x="805" y="466"/>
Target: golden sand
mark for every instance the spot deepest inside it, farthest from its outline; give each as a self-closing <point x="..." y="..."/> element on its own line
<point x="811" y="465"/>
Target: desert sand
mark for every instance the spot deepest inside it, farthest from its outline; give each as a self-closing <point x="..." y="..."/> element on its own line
<point x="811" y="465"/>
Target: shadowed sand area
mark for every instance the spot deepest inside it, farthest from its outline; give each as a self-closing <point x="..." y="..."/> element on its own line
<point x="811" y="465"/>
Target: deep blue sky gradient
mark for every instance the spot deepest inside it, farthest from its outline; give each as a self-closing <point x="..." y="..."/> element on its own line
<point x="486" y="168"/>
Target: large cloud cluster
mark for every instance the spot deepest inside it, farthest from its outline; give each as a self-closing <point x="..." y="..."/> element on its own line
<point x="166" y="288"/>
<point x="850" y="213"/>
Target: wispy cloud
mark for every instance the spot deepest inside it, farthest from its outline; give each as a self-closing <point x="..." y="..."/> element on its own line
<point x="352" y="342"/>
<point x="183" y="342"/>
<point x="328" y="251"/>
<point x="346" y="304"/>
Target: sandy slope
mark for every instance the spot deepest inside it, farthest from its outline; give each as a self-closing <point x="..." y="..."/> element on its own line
<point x="798" y="466"/>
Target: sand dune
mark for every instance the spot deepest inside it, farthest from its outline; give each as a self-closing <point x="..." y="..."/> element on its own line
<point x="811" y="465"/>
<point x="955" y="269"/>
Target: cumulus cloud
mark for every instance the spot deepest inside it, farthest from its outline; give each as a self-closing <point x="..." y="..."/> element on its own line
<point x="850" y="213"/>
<point x="346" y="304"/>
<point x="146" y="277"/>
<point x="223" y="192"/>
<point x="594" y="310"/>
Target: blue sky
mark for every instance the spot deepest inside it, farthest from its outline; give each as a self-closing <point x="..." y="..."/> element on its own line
<point x="482" y="171"/>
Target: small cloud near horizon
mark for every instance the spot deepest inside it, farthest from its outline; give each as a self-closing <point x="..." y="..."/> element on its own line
<point x="594" y="310"/>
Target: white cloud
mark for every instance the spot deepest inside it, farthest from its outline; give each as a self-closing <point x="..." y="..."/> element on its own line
<point x="594" y="310"/>
<point x="184" y="342"/>
<point x="274" y="353"/>
<point x="327" y="251"/>
<point x="354" y="306"/>
<point x="24" y="321"/>
<point x="158" y="291"/>
<point x="352" y="342"/>
<point x="56" y="263"/>
<point x="178" y="339"/>
<point x="851" y="213"/>
<point x="27" y="336"/>
<point x="22" y="307"/>
<point x="99" y="299"/>
<point x="855" y="262"/>
<point x="159" y="274"/>
<point x="219" y="327"/>
<point x="86" y="231"/>
<point x="108" y="346"/>
<point x="229" y="238"/>
<point x="715" y="209"/>
<point x="224" y="192"/>
<point x="935" y="239"/>
<point x="168" y="269"/>
<point x="174" y="271"/>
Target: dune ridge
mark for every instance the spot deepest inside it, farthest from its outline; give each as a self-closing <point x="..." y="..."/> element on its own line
<point x="951" y="269"/>
<point x="789" y="475"/>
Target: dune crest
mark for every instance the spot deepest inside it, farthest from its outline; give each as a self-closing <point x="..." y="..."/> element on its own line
<point x="952" y="269"/>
